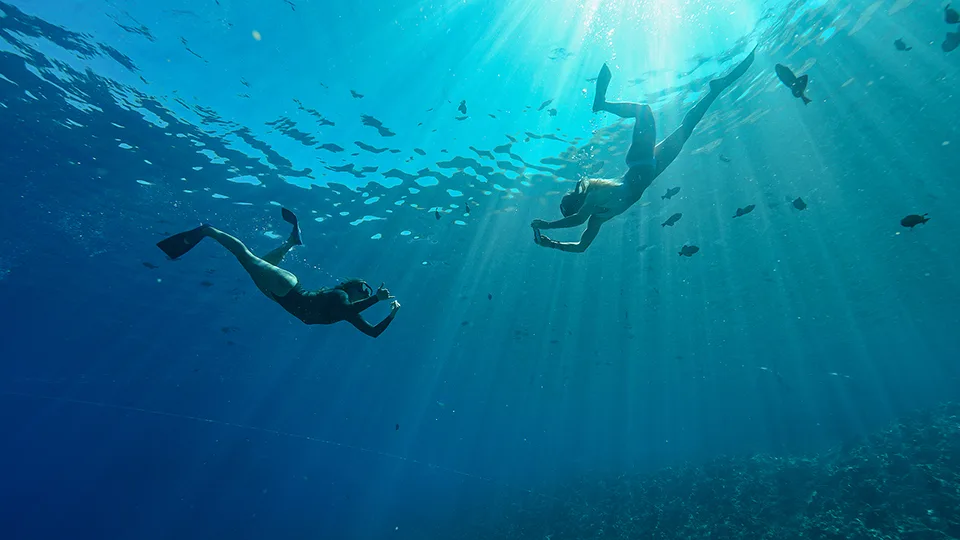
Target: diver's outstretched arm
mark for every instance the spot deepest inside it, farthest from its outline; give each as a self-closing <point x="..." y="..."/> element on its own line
<point x="593" y="228"/>
<point x="575" y="220"/>
<point x="373" y="331"/>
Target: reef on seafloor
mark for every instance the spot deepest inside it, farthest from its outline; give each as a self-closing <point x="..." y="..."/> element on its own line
<point x="900" y="483"/>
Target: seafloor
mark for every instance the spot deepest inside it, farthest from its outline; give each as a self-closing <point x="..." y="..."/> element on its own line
<point x="901" y="483"/>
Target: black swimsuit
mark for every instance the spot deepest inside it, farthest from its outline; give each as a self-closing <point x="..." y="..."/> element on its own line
<point x="324" y="306"/>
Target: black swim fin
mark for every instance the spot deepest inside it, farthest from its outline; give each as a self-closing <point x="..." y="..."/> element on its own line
<point x="603" y="81"/>
<point x="291" y="218"/>
<point x="179" y="244"/>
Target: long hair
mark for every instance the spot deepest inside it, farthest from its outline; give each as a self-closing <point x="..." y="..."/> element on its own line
<point x="571" y="203"/>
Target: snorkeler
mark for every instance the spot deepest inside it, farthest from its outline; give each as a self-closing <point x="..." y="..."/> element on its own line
<point x="595" y="201"/>
<point x="344" y="302"/>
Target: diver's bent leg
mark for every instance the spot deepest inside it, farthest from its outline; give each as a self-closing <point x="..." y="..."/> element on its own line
<point x="644" y="138"/>
<point x="669" y="148"/>
<point x="270" y="279"/>
<point x="277" y="255"/>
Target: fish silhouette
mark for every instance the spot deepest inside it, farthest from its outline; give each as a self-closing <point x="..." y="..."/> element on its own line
<point x="672" y="220"/>
<point x="913" y="220"/>
<point x="745" y="210"/>
<point x="901" y="46"/>
<point x="463" y="107"/>
<point x="797" y="85"/>
<point x="950" y="15"/>
<point x="799" y="204"/>
<point x="670" y="193"/>
<point x="688" y="251"/>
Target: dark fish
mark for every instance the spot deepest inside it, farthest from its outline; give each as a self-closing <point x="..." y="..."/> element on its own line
<point x="463" y="107"/>
<point x="489" y="296"/>
<point x="745" y="210"/>
<point x="913" y="220"/>
<point x="670" y="193"/>
<point x="688" y="251"/>
<point x="419" y="151"/>
<point x="356" y="95"/>
<point x="799" y="204"/>
<point x="397" y="428"/>
<point x="797" y="85"/>
<point x="466" y="208"/>
<point x="206" y="283"/>
<point x="436" y="213"/>
<point x="491" y="116"/>
<point x="465" y="323"/>
<point x="151" y="265"/>
<point x="724" y="158"/>
<point x="553" y="112"/>
<point x="544" y="104"/>
<point x="951" y="42"/>
<point x="671" y="220"/>
<point x="901" y="46"/>
<point x="950" y="15"/>
<point x="244" y="82"/>
<point x="461" y="118"/>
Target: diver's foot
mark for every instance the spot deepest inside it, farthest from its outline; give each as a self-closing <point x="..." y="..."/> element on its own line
<point x="291" y="218"/>
<point x="603" y="81"/>
<point x="721" y="84"/>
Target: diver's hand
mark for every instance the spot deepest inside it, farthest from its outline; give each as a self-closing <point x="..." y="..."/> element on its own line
<point x="394" y="307"/>
<point x="546" y="242"/>
<point x="383" y="293"/>
<point x="540" y="224"/>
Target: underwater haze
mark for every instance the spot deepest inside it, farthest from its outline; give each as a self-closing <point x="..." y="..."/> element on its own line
<point x="796" y="375"/>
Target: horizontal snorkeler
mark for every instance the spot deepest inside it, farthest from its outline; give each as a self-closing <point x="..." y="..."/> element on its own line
<point x="344" y="302"/>
<point x="594" y="201"/>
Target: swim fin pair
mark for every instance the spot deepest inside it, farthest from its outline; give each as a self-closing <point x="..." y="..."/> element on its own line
<point x="179" y="244"/>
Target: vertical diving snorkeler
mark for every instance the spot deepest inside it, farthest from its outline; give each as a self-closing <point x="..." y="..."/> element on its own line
<point x="344" y="302"/>
<point x="595" y="201"/>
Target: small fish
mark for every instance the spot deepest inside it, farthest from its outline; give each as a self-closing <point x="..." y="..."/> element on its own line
<point x="797" y="85"/>
<point x="206" y="283"/>
<point x="688" y="251"/>
<point x="745" y="210"/>
<point x="951" y="42"/>
<point x="397" y="428"/>
<point x="419" y="151"/>
<point x="670" y="193"/>
<point x="463" y="107"/>
<point x="492" y="116"/>
<point x="460" y="118"/>
<point x="950" y="15"/>
<point x="437" y="214"/>
<point x="901" y="46"/>
<point x="465" y="323"/>
<point x="355" y="94"/>
<point x="672" y="220"/>
<point x="799" y="204"/>
<point x="913" y="220"/>
<point x="466" y="210"/>
<point x="552" y="112"/>
<point x="544" y="104"/>
<point x="489" y="296"/>
<point x="151" y="265"/>
<point x="724" y="158"/>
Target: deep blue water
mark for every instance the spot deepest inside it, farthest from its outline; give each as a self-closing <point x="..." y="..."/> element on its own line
<point x="144" y="398"/>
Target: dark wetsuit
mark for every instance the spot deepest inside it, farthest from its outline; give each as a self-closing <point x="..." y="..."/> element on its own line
<point x="328" y="306"/>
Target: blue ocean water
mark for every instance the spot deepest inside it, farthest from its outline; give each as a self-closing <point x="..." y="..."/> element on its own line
<point x="146" y="398"/>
